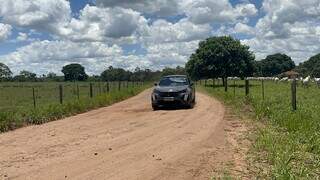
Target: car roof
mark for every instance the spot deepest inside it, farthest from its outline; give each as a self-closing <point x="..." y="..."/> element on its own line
<point x="174" y="76"/>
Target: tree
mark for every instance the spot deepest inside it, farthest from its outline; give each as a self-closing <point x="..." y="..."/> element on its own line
<point x="275" y="64"/>
<point x="220" y="57"/>
<point x="173" y="71"/>
<point x="74" y="72"/>
<point x="137" y="75"/>
<point x="25" y="76"/>
<point x="5" y="72"/>
<point x="310" y="67"/>
<point x="53" y="77"/>
<point x="94" y="78"/>
<point x="115" y="74"/>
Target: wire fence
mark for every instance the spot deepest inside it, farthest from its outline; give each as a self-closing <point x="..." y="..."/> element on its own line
<point x="292" y="91"/>
<point x="15" y="95"/>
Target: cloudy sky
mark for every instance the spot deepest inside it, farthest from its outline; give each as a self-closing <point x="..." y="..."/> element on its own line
<point x="43" y="35"/>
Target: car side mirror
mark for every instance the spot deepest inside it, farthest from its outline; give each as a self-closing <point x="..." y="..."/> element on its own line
<point x="155" y="84"/>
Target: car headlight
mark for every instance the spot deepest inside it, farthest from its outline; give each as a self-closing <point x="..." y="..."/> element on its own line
<point x="183" y="91"/>
<point x="156" y="91"/>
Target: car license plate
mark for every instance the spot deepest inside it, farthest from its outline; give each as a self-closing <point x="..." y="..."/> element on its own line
<point x="168" y="99"/>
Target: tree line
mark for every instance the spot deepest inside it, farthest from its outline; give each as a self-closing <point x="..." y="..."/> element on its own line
<point x="215" y="57"/>
<point x="76" y="72"/>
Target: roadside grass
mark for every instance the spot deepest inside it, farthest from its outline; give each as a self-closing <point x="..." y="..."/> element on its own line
<point x="224" y="176"/>
<point x="286" y="143"/>
<point x="49" y="109"/>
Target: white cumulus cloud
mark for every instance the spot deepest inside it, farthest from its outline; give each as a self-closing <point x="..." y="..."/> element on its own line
<point x="244" y="28"/>
<point x="46" y="15"/>
<point x="99" y="24"/>
<point x="52" y="55"/>
<point x="22" y="36"/>
<point x="5" y="31"/>
<point x="208" y="11"/>
<point x="157" y="7"/>
<point x="290" y="27"/>
<point x="183" y="31"/>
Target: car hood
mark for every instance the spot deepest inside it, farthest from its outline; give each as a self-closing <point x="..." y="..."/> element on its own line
<point x="170" y="88"/>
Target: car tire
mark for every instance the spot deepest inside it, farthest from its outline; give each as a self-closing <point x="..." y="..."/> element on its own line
<point x="189" y="106"/>
<point x="155" y="107"/>
<point x="192" y="103"/>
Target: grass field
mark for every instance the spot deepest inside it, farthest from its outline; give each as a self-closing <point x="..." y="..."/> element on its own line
<point x="287" y="146"/>
<point x="17" y="100"/>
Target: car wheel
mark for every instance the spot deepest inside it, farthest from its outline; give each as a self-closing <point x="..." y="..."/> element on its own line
<point x="155" y="107"/>
<point x="190" y="105"/>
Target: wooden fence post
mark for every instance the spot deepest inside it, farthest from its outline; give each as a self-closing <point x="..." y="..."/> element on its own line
<point x="262" y="86"/>
<point x="294" y="94"/>
<point x="34" y="97"/>
<point x="119" y="85"/>
<point x="226" y="84"/>
<point x="247" y="87"/>
<point x="100" y="91"/>
<point x="205" y="82"/>
<point x="91" y="90"/>
<point x="108" y="87"/>
<point x="60" y="94"/>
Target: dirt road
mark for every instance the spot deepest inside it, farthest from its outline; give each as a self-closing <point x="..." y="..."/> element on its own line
<point x="124" y="141"/>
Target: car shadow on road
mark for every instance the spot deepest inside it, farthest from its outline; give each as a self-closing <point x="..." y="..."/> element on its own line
<point x="175" y="108"/>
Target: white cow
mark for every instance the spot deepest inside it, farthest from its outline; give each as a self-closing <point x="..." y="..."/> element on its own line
<point x="317" y="80"/>
<point x="306" y="81"/>
<point x="284" y="79"/>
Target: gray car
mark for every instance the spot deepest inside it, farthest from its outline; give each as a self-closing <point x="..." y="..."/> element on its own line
<point x="173" y="90"/>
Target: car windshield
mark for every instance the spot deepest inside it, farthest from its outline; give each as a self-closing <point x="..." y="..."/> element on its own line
<point x="173" y="81"/>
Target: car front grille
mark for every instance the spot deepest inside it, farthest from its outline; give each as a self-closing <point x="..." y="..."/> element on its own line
<point x="169" y="94"/>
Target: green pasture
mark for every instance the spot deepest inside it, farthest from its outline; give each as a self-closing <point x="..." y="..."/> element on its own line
<point x="288" y="145"/>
